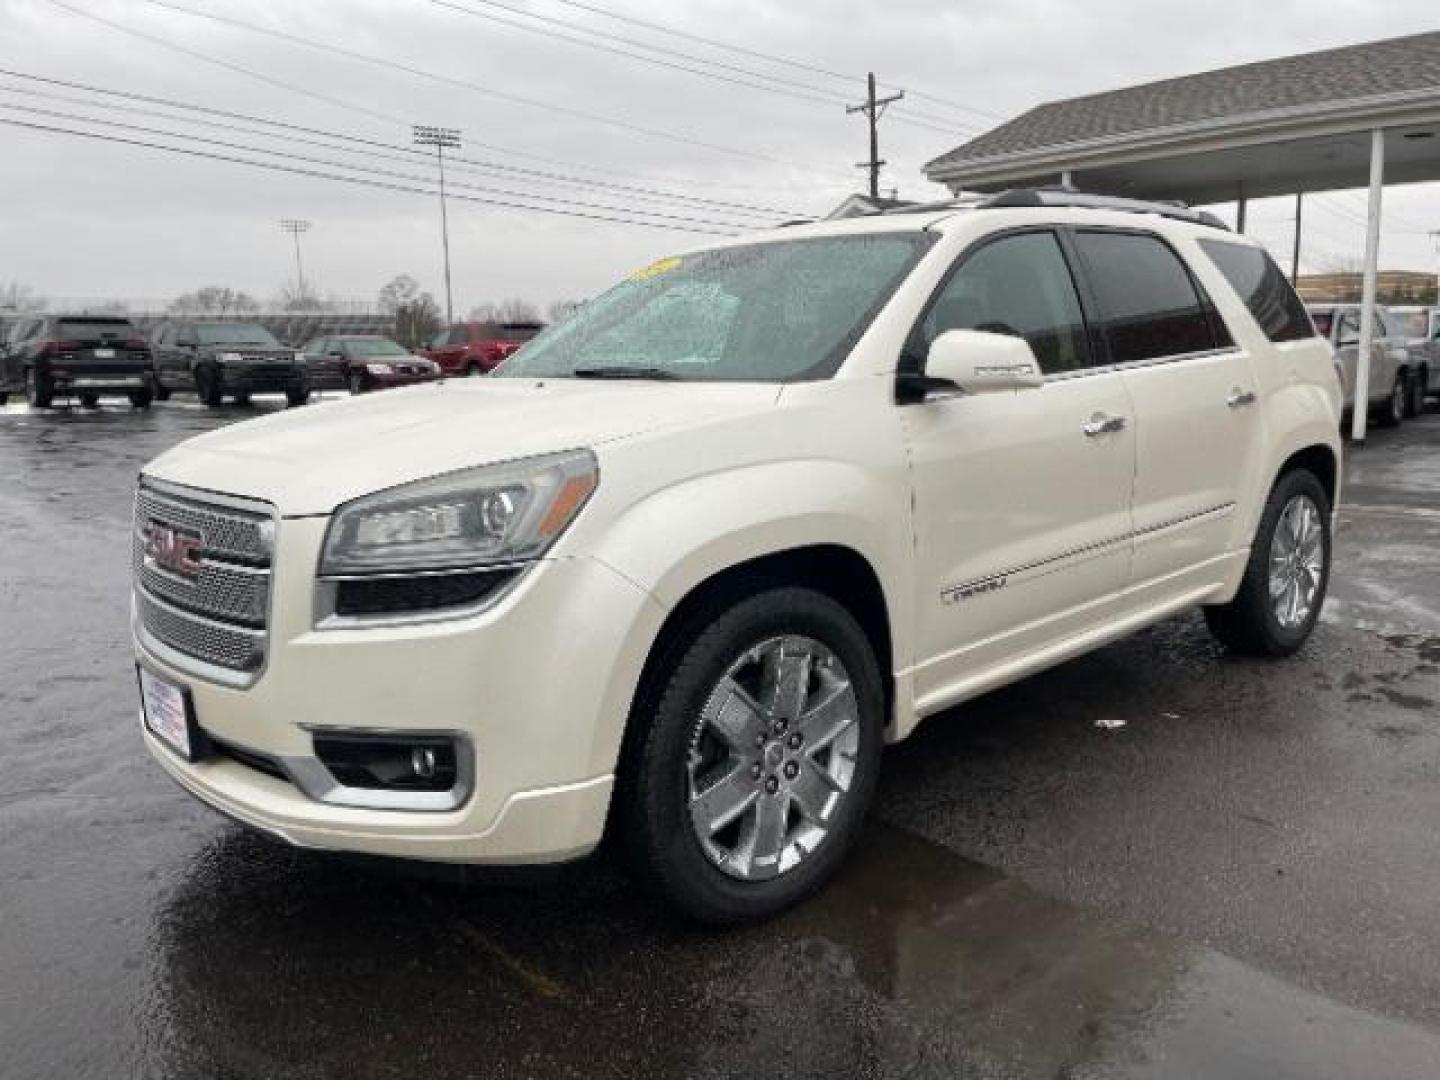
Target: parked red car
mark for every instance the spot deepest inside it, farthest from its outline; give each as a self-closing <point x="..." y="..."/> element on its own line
<point x="476" y="348"/>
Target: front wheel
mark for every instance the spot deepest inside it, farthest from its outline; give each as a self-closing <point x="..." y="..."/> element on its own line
<point x="209" y="385"/>
<point x="756" y="756"/>
<point x="1393" y="411"/>
<point x="357" y="383"/>
<point x="297" y="396"/>
<point x="141" y="399"/>
<point x="38" y="392"/>
<point x="1285" y="580"/>
<point x="161" y="391"/>
<point x="1415" y="397"/>
<point x="89" y="400"/>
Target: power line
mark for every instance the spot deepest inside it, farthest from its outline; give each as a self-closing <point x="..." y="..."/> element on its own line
<point x="771" y="57"/>
<point x="371" y="146"/>
<point x="787" y="87"/>
<point x="450" y="80"/>
<point x="505" y="197"/>
<point x="356" y="180"/>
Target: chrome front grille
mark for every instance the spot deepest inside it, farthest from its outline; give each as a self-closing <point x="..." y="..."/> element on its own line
<point x="209" y="614"/>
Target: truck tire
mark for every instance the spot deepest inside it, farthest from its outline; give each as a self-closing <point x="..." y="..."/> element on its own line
<point x="1285" y="580"/>
<point x="752" y="756"/>
<point x="210" y="385"/>
<point x="1393" y="410"/>
<point x="38" y="392"/>
<point x="1415" y="398"/>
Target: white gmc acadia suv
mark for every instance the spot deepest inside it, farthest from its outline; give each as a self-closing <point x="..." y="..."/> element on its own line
<point x="683" y="568"/>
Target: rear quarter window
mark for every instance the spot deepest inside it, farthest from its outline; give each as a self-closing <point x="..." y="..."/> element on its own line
<point x="1261" y="284"/>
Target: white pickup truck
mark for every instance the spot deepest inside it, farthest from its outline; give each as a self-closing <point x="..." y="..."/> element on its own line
<point x="698" y="552"/>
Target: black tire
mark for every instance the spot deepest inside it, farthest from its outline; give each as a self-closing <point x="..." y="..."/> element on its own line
<point x="473" y="370"/>
<point x="162" y="392"/>
<point x="297" y="396"/>
<point x="210" y="385"/>
<point x="4" y="398"/>
<point x="1393" y="410"/>
<point x="1415" y="399"/>
<point x="652" y="816"/>
<point x="357" y="383"/>
<point x="88" y="399"/>
<point x="141" y="399"/>
<point x="1248" y="624"/>
<point x="242" y="399"/>
<point x="39" y="394"/>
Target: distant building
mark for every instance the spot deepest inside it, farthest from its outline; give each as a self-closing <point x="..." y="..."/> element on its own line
<point x="1392" y="287"/>
<point x="861" y="205"/>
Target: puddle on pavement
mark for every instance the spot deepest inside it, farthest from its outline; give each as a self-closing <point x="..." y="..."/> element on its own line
<point x="915" y="961"/>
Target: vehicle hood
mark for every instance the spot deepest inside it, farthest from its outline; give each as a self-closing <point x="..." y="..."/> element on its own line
<point x="309" y="460"/>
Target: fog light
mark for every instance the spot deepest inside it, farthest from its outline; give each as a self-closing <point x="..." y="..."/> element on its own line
<point x="390" y="762"/>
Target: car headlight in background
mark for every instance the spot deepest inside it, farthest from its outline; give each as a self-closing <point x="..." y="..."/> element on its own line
<point x="379" y="369"/>
<point x="229" y="358"/>
<point x="495" y="515"/>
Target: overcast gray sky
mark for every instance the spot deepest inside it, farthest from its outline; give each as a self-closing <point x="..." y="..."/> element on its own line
<point x="81" y="218"/>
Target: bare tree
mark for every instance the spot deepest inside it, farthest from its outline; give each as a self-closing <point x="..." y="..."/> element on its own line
<point x="561" y="310"/>
<point x="485" y="312"/>
<point x="17" y="297"/>
<point x="299" y="296"/>
<point x="416" y="314"/>
<point x="516" y="310"/>
<point x="215" y="300"/>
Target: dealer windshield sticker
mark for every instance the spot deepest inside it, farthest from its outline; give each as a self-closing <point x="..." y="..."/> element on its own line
<point x="655" y="269"/>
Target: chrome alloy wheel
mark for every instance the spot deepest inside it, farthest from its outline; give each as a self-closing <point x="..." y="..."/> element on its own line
<point x="1297" y="561"/>
<point x="772" y="757"/>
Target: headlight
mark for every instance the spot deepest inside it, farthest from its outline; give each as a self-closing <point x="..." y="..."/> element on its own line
<point x="379" y="369"/>
<point x="496" y="514"/>
<point x="229" y="358"/>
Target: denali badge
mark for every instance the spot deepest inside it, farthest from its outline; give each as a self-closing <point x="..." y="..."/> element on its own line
<point x="172" y="549"/>
<point x="957" y="593"/>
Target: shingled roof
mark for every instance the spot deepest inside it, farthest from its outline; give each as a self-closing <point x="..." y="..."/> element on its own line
<point x="1310" y="81"/>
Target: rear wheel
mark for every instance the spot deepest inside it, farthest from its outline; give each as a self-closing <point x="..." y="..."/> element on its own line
<point x="209" y="385"/>
<point x="1285" y="580"/>
<point x="38" y="392"/>
<point x="357" y="383"/>
<point x="141" y="399"/>
<point x="242" y="399"/>
<point x="297" y="395"/>
<point x="162" y="392"/>
<point x="757" y="758"/>
<point x="473" y="370"/>
<point x="1394" y="410"/>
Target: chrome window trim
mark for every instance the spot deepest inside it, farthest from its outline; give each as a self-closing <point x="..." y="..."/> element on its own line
<point x="1154" y="361"/>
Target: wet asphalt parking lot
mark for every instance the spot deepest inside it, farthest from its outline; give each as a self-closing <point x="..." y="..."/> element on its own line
<point x="1241" y="881"/>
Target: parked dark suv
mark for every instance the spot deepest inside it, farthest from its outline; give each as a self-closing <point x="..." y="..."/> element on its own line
<point x="477" y="348"/>
<point x="227" y="359"/>
<point x="80" y="356"/>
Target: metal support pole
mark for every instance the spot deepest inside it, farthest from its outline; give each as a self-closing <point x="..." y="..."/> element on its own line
<point x="445" y="235"/>
<point x="1240" y="212"/>
<point x="299" y="266"/>
<point x="1367" y="299"/>
<point x="1295" y="259"/>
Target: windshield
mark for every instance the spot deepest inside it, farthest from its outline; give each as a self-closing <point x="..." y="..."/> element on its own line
<point x="234" y="334"/>
<point x="1412" y="324"/>
<point x="374" y="347"/>
<point x="775" y="312"/>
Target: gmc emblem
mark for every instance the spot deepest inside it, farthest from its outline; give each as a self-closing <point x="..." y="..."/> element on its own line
<point x="172" y="549"/>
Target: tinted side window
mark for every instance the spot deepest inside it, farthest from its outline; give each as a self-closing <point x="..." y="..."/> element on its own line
<point x="1018" y="285"/>
<point x="1253" y="275"/>
<point x="1349" y="328"/>
<point x="1147" y="300"/>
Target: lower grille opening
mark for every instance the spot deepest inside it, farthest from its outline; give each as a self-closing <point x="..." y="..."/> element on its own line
<point x="250" y="758"/>
<point x="408" y="595"/>
<point x="390" y="762"/>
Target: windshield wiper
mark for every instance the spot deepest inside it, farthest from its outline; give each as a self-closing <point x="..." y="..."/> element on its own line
<point x="623" y="371"/>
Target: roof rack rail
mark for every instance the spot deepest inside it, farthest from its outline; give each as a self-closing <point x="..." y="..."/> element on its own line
<point x="1065" y="196"/>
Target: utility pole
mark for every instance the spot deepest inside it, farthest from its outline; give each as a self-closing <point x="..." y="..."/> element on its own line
<point x="874" y="108"/>
<point x="441" y="138"/>
<point x="296" y="226"/>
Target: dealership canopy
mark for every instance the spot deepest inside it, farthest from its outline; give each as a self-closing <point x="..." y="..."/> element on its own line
<point x="1340" y="118"/>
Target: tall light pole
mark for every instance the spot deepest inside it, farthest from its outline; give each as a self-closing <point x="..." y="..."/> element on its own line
<point x="441" y="138"/>
<point x="296" y="226"/>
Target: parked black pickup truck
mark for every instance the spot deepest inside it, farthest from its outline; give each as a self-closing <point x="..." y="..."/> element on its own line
<point x="227" y="359"/>
<point x="80" y="356"/>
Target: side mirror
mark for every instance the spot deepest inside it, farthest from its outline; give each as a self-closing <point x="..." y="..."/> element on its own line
<point x="978" y="362"/>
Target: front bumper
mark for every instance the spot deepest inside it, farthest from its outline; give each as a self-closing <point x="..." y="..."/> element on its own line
<point x="100" y="382"/>
<point x="399" y="379"/>
<point x="262" y="378"/>
<point x="539" y="684"/>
